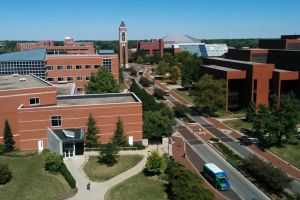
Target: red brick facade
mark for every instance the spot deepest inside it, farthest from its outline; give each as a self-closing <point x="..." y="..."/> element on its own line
<point x="151" y="48"/>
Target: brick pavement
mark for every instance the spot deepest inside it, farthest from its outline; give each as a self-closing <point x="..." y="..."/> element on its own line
<point x="178" y="151"/>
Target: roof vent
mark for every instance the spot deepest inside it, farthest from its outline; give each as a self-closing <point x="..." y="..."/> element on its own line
<point x="22" y="79"/>
<point x="15" y="75"/>
<point x="70" y="134"/>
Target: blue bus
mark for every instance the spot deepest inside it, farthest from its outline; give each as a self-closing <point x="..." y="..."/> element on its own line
<point x="216" y="176"/>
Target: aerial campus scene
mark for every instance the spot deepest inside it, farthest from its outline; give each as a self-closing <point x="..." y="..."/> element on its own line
<point x="149" y="100"/>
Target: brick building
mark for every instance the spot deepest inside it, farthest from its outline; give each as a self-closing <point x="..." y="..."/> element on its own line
<point x="255" y="74"/>
<point x="69" y="47"/>
<point x="35" y="108"/>
<point x="152" y="47"/>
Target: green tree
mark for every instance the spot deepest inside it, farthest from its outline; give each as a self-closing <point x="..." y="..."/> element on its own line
<point x="251" y="111"/>
<point x="154" y="59"/>
<point x="5" y="174"/>
<point x="102" y="82"/>
<point x="155" y="163"/>
<point x="169" y="59"/>
<point x="119" y="138"/>
<point x="175" y="73"/>
<point x="132" y="72"/>
<point x="180" y="110"/>
<point x="140" y="60"/>
<point x="108" y="155"/>
<point x="9" y="143"/>
<point x="145" y="82"/>
<point x="92" y="132"/>
<point x="53" y="161"/>
<point x="185" y="185"/>
<point x="162" y="68"/>
<point x="158" y="93"/>
<point x="210" y="93"/>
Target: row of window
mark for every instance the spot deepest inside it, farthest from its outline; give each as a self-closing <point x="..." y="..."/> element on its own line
<point x="70" y="67"/>
<point x="78" y="78"/>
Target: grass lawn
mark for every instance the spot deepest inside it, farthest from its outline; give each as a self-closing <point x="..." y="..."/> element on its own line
<point x="289" y="153"/>
<point x="138" y="187"/>
<point x="238" y="124"/>
<point x="99" y="172"/>
<point x="224" y="114"/>
<point x="31" y="180"/>
<point x="184" y="94"/>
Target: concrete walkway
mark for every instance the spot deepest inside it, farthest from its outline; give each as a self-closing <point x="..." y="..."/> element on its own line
<point x="98" y="189"/>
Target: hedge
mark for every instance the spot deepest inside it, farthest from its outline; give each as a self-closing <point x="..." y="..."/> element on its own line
<point x="68" y="176"/>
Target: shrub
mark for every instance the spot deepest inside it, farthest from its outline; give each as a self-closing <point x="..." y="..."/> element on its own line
<point x="155" y="164"/>
<point x="45" y="152"/>
<point x="108" y="155"/>
<point x="67" y="175"/>
<point x="53" y="161"/>
<point x="5" y="174"/>
<point x="1" y="149"/>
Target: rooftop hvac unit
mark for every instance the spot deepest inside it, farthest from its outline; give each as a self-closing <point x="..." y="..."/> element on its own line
<point x="22" y="79"/>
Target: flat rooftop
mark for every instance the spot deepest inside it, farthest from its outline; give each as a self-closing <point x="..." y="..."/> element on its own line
<point x="96" y="99"/>
<point x="11" y="82"/>
<point x="235" y="61"/>
<point x="65" y="88"/>
<point x="226" y="69"/>
<point x="30" y="55"/>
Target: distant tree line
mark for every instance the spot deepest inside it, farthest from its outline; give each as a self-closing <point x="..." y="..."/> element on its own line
<point x="237" y="43"/>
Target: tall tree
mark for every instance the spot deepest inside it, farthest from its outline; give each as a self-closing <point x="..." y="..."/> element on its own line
<point x="92" y="132"/>
<point x="102" y="82"/>
<point x="210" y="93"/>
<point x="162" y="68"/>
<point x="155" y="163"/>
<point x="251" y="111"/>
<point x="175" y="73"/>
<point x="119" y="138"/>
<point x="9" y="143"/>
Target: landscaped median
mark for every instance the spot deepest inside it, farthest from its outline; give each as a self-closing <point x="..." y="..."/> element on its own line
<point x="101" y="172"/>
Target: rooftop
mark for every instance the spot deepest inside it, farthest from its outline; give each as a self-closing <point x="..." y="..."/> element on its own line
<point x="235" y="61"/>
<point x="93" y="99"/>
<point x="106" y="51"/>
<point x="175" y="39"/>
<point x="11" y="82"/>
<point x="31" y="55"/>
<point x="69" y="135"/>
<point x="122" y="24"/>
<point x="214" y="168"/>
<point x="65" y="89"/>
<point x="226" y="69"/>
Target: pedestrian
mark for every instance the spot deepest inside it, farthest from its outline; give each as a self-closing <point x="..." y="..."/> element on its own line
<point x="184" y="154"/>
<point x="88" y="186"/>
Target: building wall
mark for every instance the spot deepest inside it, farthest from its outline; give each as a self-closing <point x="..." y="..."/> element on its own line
<point x="152" y="47"/>
<point x="33" y="122"/>
<point x="79" y="60"/>
<point x="10" y="100"/>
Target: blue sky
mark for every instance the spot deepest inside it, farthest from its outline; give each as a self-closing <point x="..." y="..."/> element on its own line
<point x="145" y="19"/>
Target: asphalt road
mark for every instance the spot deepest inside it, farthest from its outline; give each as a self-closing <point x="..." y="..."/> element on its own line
<point x="240" y="186"/>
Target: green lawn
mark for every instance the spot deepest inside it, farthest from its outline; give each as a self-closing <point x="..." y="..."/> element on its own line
<point x="238" y="124"/>
<point x="99" y="172"/>
<point x="138" y="187"/>
<point x="289" y="153"/>
<point x="224" y="114"/>
<point x="31" y="180"/>
<point x="184" y="94"/>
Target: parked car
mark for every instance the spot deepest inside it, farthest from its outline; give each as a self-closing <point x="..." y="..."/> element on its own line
<point x="214" y="140"/>
<point x="244" y="140"/>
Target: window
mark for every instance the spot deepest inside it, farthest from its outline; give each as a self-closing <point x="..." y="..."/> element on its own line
<point x="79" y="78"/>
<point x="60" y="79"/>
<point x="79" y="89"/>
<point x="96" y="66"/>
<point x="107" y="63"/>
<point x="49" y="67"/>
<point x="88" y="67"/>
<point x="69" y="67"/>
<point x="87" y="78"/>
<point x="59" y="67"/>
<point x="55" y="121"/>
<point x="34" y="101"/>
<point x="50" y="79"/>
<point x="69" y="78"/>
<point x="78" y="66"/>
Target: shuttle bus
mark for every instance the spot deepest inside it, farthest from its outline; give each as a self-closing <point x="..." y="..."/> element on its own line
<point x="217" y="177"/>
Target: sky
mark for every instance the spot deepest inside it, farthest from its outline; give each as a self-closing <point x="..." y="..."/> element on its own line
<point x="147" y="19"/>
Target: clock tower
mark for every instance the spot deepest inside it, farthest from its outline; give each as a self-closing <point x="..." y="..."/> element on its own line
<point x="123" y="45"/>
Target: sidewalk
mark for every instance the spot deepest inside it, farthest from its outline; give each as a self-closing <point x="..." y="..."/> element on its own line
<point x="178" y="151"/>
<point x="276" y="161"/>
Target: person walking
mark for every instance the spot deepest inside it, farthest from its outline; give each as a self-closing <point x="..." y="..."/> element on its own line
<point x="88" y="186"/>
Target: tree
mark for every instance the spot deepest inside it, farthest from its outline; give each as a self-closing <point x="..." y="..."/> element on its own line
<point x="140" y="60"/>
<point x="154" y="59"/>
<point x="92" y="132"/>
<point x="251" y="111"/>
<point x="9" y="143"/>
<point x="162" y="68"/>
<point x="175" y="73"/>
<point x="158" y="93"/>
<point x="102" y="82"/>
<point x="119" y="138"/>
<point x="169" y="59"/>
<point x="210" y="93"/>
<point x="132" y="72"/>
<point x="180" y="110"/>
<point x="154" y="164"/>
<point x="53" y="161"/>
<point x="5" y="174"/>
<point x="185" y="185"/>
<point x="108" y="155"/>
<point x="145" y="82"/>
<point x="156" y="125"/>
